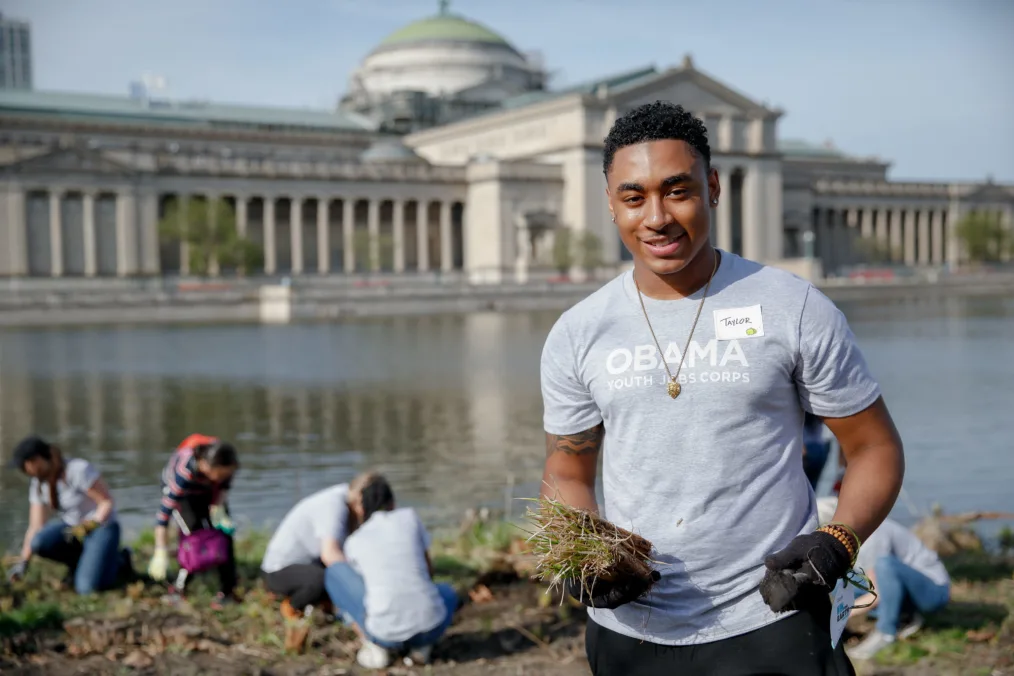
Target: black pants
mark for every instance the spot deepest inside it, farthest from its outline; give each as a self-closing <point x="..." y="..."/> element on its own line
<point x="195" y="511"/>
<point x="302" y="584"/>
<point x="799" y="645"/>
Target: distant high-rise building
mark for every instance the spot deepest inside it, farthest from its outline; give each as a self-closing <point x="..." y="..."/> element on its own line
<point x="15" y="54"/>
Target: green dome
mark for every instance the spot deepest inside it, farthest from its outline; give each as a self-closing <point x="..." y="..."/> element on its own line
<point x="443" y="27"/>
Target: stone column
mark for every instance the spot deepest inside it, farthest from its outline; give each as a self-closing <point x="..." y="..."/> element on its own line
<point x="954" y="252"/>
<point x="270" y="253"/>
<point x="753" y="216"/>
<point x="852" y="235"/>
<point x="184" y="207"/>
<point x="296" y="233"/>
<point x="242" y="216"/>
<point x="897" y="235"/>
<point x="399" y="236"/>
<point x="88" y="227"/>
<point x="422" y="235"/>
<point x="150" y="263"/>
<point x="866" y="225"/>
<point x="923" y="241"/>
<point x="883" y="236"/>
<point x="126" y="234"/>
<point x="373" y="230"/>
<point x="348" y="234"/>
<point x="937" y="227"/>
<point x="55" y="234"/>
<point x="723" y="216"/>
<point x="909" y="234"/>
<point x="212" y="216"/>
<point x="323" y="235"/>
<point x="16" y="240"/>
<point x="446" y="238"/>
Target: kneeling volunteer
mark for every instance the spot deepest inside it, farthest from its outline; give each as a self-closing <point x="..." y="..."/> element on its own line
<point x="386" y="589"/>
<point x="86" y="536"/>
<point x="308" y="540"/>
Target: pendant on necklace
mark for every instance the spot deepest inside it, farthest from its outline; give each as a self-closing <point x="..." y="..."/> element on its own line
<point x="674" y="388"/>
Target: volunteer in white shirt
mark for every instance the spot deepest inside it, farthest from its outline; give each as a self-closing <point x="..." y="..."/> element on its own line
<point x="307" y="541"/>
<point x="386" y="589"/>
<point x="906" y="575"/>
<point x="86" y="536"/>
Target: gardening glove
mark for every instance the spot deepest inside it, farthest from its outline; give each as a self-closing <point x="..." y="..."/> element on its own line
<point x="604" y="594"/>
<point x="17" y="571"/>
<point x="159" y="565"/>
<point x="805" y="572"/>
<point x="221" y="520"/>
<point x="81" y="531"/>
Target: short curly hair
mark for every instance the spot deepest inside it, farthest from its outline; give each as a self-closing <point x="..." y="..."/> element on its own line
<point x="658" y="121"/>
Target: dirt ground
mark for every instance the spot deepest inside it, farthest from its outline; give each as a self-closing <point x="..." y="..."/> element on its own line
<point x="514" y="630"/>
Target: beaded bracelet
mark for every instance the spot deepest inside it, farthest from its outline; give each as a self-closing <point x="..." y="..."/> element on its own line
<point x="846" y="536"/>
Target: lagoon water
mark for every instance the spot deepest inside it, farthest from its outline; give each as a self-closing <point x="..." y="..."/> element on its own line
<point x="447" y="406"/>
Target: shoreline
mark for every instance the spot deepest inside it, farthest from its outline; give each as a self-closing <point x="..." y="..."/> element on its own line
<point x="154" y="302"/>
<point x="509" y="623"/>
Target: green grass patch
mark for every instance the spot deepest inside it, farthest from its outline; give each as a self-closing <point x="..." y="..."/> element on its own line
<point x="31" y="617"/>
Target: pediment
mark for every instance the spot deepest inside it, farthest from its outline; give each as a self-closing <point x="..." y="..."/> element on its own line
<point x="72" y="160"/>
<point x="694" y="90"/>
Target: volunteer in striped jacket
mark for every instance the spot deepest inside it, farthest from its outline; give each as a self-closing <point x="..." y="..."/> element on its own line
<point x="195" y="489"/>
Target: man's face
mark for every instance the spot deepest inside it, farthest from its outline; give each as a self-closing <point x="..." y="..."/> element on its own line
<point x="660" y="196"/>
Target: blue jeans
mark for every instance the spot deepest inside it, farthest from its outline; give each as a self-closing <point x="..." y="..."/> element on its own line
<point x="94" y="564"/>
<point x="348" y="593"/>
<point x="898" y="585"/>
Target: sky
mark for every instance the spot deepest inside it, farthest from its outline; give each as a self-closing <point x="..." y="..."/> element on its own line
<point x="924" y="84"/>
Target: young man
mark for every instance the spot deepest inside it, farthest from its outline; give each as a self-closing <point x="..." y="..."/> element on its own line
<point x="690" y="376"/>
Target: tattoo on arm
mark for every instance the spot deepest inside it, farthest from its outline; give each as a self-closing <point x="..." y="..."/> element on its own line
<point x="582" y="443"/>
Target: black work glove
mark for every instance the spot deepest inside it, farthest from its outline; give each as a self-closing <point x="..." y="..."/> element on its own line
<point x="604" y="594"/>
<point x="804" y="573"/>
<point x="17" y="571"/>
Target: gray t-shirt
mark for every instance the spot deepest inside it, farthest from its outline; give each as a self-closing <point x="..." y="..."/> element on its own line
<point x="299" y="536"/>
<point x="893" y="539"/>
<point x="72" y="492"/>
<point x="713" y="479"/>
<point x="389" y="551"/>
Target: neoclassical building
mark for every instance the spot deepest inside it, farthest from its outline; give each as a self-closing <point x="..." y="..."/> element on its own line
<point x="448" y="153"/>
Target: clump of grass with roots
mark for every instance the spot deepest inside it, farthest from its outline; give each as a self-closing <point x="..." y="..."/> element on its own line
<point x="575" y="544"/>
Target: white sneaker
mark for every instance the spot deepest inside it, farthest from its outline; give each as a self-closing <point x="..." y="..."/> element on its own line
<point x="871" y="645"/>
<point x="372" y="656"/>
<point x="419" y="656"/>
<point x="911" y="628"/>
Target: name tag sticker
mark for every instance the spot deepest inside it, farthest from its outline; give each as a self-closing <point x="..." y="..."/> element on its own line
<point x="843" y="597"/>
<point x="739" y="322"/>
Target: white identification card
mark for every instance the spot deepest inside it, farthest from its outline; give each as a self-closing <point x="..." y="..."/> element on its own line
<point x="843" y="597"/>
<point x="739" y="322"/>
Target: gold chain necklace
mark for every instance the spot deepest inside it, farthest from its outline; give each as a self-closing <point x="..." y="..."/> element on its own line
<point x="673" y="387"/>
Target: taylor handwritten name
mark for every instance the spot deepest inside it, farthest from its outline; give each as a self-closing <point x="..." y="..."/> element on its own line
<point x="735" y="321"/>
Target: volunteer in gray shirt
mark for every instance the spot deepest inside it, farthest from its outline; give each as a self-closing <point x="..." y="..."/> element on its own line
<point x="690" y="375"/>
<point x="908" y="578"/>
<point x="307" y="541"/>
<point x="86" y="535"/>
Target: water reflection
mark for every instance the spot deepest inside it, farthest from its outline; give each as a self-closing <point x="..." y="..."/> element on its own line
<point x="448" y="406"/>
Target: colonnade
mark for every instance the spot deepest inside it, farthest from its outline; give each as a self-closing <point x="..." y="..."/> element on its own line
<point x="909" y="235"/>
<point x="312" y="234"/>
